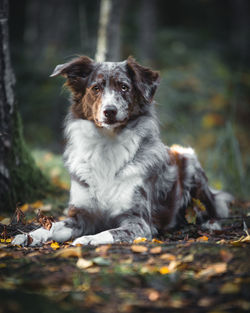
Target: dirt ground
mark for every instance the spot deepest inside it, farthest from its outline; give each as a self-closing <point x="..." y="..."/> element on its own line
<point x="186" y="271"/>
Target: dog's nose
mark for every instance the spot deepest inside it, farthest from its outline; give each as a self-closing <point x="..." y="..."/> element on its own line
<point x="110" y="111"/>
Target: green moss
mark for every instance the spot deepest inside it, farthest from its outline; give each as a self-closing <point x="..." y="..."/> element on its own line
<point x="27" y="181"/>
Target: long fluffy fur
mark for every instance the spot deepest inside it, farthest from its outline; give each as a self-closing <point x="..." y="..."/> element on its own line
<point x="125" y="182"/>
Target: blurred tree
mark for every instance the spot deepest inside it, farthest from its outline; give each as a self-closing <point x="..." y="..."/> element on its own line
<point x="109" y="34"/>
<point x="147" y="30"/>
<point x="20" y="179"/>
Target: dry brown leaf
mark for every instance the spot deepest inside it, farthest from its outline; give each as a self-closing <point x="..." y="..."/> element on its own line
<point x="71" y="252"/>
<point x="155" y="250"/>
<point x="242" y="239"/>
<point x="153" y="295"/>
<point x="6" y="221"/>
<point x="188" y="258"/>
<point x="226" y="256"/>
<point x="168" y="257"/>
<point x="139" y="248"/>
<point x="103" y="249"/>
<point x="213" y="270"/>
<point x="229" y="287"/>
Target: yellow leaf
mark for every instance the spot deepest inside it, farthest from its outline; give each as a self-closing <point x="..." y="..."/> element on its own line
<point x="198" y="204"/>
<point x="242" y="239"/>
<point x="37" y="204"/>
<point x="202" y="238"/>
<point x="25" y="207"/>
<point x="139" y="248"/>
<point x="83" y="263"/>
<point x="164" y="270"/>
<point x="55" y="245"/>
<point x="69" y="253"/>
<point x="140" y="239"/>
<point x="157" y="241"/>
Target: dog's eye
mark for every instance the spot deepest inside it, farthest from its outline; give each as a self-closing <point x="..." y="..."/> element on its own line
<point x="124" y="87"/>
<point x="96" y="88"/>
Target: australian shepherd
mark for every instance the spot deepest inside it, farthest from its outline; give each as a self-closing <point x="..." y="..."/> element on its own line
<point x="125" y="183"/>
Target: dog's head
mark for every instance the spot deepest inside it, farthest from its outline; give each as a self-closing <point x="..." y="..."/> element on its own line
<point x="108" y="93"/>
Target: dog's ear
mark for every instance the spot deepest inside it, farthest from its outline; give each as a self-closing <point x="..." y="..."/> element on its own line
<point x="77" y="72"/>
<point x="78" y="67"/>
<point x="144" y="79"/>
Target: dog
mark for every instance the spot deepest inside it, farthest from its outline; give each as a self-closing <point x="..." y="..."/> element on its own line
<point x="125" y="183"/>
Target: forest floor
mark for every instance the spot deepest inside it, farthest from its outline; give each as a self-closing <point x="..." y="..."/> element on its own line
<point x="191" y="270"/>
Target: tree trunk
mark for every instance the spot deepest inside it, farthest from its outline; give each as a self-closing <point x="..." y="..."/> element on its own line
<point x="109" y="35"/>
<point x="20" y="179"/>
<point x="147" y="31"/>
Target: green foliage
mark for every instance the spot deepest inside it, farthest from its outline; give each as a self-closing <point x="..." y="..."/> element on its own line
<point x="196" y="108"/>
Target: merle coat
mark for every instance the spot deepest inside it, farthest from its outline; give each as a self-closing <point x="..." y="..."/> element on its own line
<point x="125" y="183"/>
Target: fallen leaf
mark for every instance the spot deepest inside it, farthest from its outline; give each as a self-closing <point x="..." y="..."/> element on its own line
<point x="190" y="215"/>
<point x="45" y="221"/>
<point x="229" y="287"/>
<point x="101" y="261"/>
<point x="164" y="270"/>
<point x="153" y="295"/>
<point x="140" y="239"/>
<point x="157" y="241"/>
<point x="6" y="221"/>
<point x="69" y="253"/>
<point x="202" y="238"/>
<point x="25" y="207"/>
<point x="83" y="263"/>
<point x="139" y="248"/>
<point x="205" y="302"/>
<point x="212" y="270"/>
<point x="155" y="250"/>
<point x="226" y="256"/>
<point x="198" y="204"/>
<point x="55" y="245"/>
<point x="38" y="204"/>
<point x="103" y="249"/>
<point x="168" y="257"/>
<point x="93" y="270"/>
<point x="240" y="241"/>
<point x="188" y="258"/>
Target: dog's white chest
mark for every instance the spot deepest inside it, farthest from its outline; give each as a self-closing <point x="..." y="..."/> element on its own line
<point x="101" y="161"/>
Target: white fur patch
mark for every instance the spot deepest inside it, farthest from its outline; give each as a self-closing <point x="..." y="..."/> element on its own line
<point x="104" y="237"/>
<point x="98" y="159"/>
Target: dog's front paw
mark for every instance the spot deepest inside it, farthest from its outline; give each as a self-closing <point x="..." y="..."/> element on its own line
<point x="84" y="240"/>
<point x="20" y="240"/>
<point x="95" y="240"/>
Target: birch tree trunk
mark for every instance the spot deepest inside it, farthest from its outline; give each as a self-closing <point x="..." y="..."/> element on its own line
<point x="20" y="179"/>
<point x="109" y="34"/>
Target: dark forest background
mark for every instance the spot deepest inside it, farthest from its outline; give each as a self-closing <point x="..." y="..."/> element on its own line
<point x="201" y="48"/>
